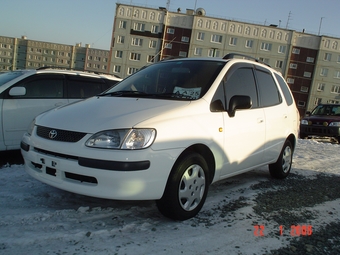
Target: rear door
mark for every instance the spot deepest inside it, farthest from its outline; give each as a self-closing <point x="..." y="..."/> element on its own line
<point x="276" y="114"/>
<point x="43" y="92"/>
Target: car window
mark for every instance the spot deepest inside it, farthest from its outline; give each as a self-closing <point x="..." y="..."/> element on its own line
<point x="43" y="88"/>
<point x="268" y="92"/>
<point x="285" y="89"/>
<point x="241" y="82"/>
<point x="84" y="88"/>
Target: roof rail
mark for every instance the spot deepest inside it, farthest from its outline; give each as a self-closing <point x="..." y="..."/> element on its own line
<point x="233" y="55"/>
<point x="74" y="69"/>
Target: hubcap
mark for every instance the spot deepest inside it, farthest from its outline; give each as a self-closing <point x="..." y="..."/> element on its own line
<point x="191" y="188"/>
<point x="286" y="159"/>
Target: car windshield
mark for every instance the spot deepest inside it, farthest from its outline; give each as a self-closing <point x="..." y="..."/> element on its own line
<point x="327" y="110"/>
<point x="175" y="79"/>
<point x="8" y="76"/>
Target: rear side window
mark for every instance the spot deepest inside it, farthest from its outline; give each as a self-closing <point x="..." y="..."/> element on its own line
<point x="285" y="89"/>
<point x="84" y="88"/>
<point x="268" y="92"/>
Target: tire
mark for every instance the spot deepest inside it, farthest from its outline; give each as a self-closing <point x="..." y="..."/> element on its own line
<point x="186" y="189"/>
<point x="281" y="168"/>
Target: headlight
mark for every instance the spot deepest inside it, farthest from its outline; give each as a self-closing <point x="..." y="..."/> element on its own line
<point x="334" y="124"/>
<point x="31" y="127"/>
<point x="126" y="139"/>
<point x="304" y="122"/>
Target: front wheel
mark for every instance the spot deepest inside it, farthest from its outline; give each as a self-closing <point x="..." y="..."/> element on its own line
<point x="186" y="189"/>
<point x="281" y="168"/>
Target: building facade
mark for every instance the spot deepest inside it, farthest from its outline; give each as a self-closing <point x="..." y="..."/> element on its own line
<point x="22" y="53"/>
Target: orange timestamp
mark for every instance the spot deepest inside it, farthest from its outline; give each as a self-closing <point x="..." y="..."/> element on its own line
<point x="295" y="230"/>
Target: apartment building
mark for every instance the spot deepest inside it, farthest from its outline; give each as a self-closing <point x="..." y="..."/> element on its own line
<point x="22" y="53"/>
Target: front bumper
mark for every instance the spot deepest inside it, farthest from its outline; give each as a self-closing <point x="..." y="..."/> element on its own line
<point x="322" y="131"/>
<point x="124" y="176"/>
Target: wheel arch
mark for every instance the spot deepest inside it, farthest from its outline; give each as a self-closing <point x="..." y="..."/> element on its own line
<point x="206" y="153"/>
<point x="292" y="140"/>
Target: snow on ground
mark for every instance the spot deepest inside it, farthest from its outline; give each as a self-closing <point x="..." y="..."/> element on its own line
<point x="38" y="219"/>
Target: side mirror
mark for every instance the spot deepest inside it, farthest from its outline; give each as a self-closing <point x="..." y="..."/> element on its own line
<point x="238" y="103"/>
<point x="17" y="91"/>
<point x="308" y="113"/>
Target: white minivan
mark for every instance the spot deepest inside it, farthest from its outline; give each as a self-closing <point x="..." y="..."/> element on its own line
<point x="25" y="94"/>
<point x="167" y="132"/>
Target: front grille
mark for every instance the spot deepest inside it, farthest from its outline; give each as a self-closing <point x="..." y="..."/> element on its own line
<point x="59" y="134"/>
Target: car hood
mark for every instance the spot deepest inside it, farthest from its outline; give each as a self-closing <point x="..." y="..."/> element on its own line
<point x="102" y="113"/>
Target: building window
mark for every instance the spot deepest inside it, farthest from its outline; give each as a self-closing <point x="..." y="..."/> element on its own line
<point x="152" y="44"/>
<point x="264" y="60"/>
<point x="119" y="54"/>
<point x="135" y="56"/>
<point x="120" y="39"/>
<point x="290" y="80"/>
<point x="310" y="60"/>
<point x="282" y="49"/>
<point x="324" y="72"/>
<point x="154" y="29"/>
<point x="132" y="70"/>
<point x="321" y="87"/>
<point x="307" y="74"/>
<point x="216" y="38"/>
<point x="296" y="51"/>
<point x="168" y="45"/>
<point x="317" y="101"/>
<point x="170" y="30"/>
<point x="337" y="74"/>
<point x="200" y="36"/>
<point x="293" y="66"/>
<point x="116" y="69"/>
<point x="122" y="24"/>
<point x="249" y="44"/>
<point x="137" y="41"/>
<point x="335" y="89"/>
<point x="327" y="57"/>
<point x="333" y="102"/>
<point x="139" y="27"/>
<point x="266" y="46"/>
<point x="233" y="41"/>
<point x="185" y="39"/>
<point x="304" y="89"/>
<point x="182" y="54"/>
<point x="338" y="59"/>
<point x="301" y="103"/>
<point x="279" y="64"/>
<point x="213" y="53"/>
<point x="150" y="59"/>
<point x="198" y="52"/>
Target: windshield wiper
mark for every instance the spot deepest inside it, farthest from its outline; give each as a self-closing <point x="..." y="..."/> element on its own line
<point x="123" y="93"/>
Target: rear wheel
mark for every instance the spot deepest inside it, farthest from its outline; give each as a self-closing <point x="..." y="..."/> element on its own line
<point x="281" y="168"/>
<point x="186" y="189"/>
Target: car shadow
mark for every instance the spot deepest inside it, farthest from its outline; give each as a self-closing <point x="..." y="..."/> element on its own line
<point x="11" y="158"/>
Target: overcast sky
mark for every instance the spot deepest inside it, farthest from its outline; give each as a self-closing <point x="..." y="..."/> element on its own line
<point x="91" y="22"/>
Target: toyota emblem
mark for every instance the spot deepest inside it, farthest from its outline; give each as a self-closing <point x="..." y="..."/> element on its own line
<point x="52" y="134"/>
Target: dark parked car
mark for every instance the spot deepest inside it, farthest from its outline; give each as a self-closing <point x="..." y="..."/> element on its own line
<point x="323" y="121"/>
